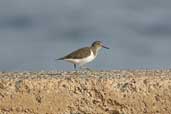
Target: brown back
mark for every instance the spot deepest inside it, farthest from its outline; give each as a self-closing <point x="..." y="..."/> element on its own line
<point x="78" y="54"/>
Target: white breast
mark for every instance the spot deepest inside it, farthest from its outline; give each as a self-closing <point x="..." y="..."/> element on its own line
<point x="82" y="61"/>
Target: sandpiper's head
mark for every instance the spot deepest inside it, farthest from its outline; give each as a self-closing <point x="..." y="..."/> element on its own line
<point x="98" y="45"/>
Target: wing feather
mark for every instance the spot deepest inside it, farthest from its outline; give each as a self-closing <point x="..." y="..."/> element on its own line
<point x="78" y="54"/>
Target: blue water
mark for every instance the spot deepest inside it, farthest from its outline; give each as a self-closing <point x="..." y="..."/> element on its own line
<point x="34" y="32"/>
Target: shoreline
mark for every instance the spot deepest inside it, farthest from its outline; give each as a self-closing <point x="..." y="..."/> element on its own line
<point x="85" y="92"/>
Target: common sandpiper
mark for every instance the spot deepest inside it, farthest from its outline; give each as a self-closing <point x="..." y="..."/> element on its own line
<point x="84" y="55"/>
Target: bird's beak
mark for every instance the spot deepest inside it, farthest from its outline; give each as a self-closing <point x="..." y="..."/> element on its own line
<point x="105" y="47"/>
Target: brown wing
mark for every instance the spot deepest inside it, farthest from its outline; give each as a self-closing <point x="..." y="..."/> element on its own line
<point x="78" y="54"/>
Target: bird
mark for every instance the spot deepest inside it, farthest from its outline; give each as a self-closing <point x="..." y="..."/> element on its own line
<point x="84" y="55"/>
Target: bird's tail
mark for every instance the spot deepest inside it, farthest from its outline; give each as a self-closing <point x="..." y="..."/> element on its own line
<point x="60" y="58"/>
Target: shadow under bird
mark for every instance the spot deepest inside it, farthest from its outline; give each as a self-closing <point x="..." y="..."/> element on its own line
<point x="84" y="55"/>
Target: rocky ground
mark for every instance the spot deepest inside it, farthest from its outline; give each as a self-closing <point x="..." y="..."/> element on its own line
<point x="83" y="92"/>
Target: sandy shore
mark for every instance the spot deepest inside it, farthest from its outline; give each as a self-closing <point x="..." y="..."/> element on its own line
<point x="97" y="92"/>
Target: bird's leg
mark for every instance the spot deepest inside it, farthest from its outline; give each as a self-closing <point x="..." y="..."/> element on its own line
<point x="75" y="66"/>
<point x="75" y="69"/>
